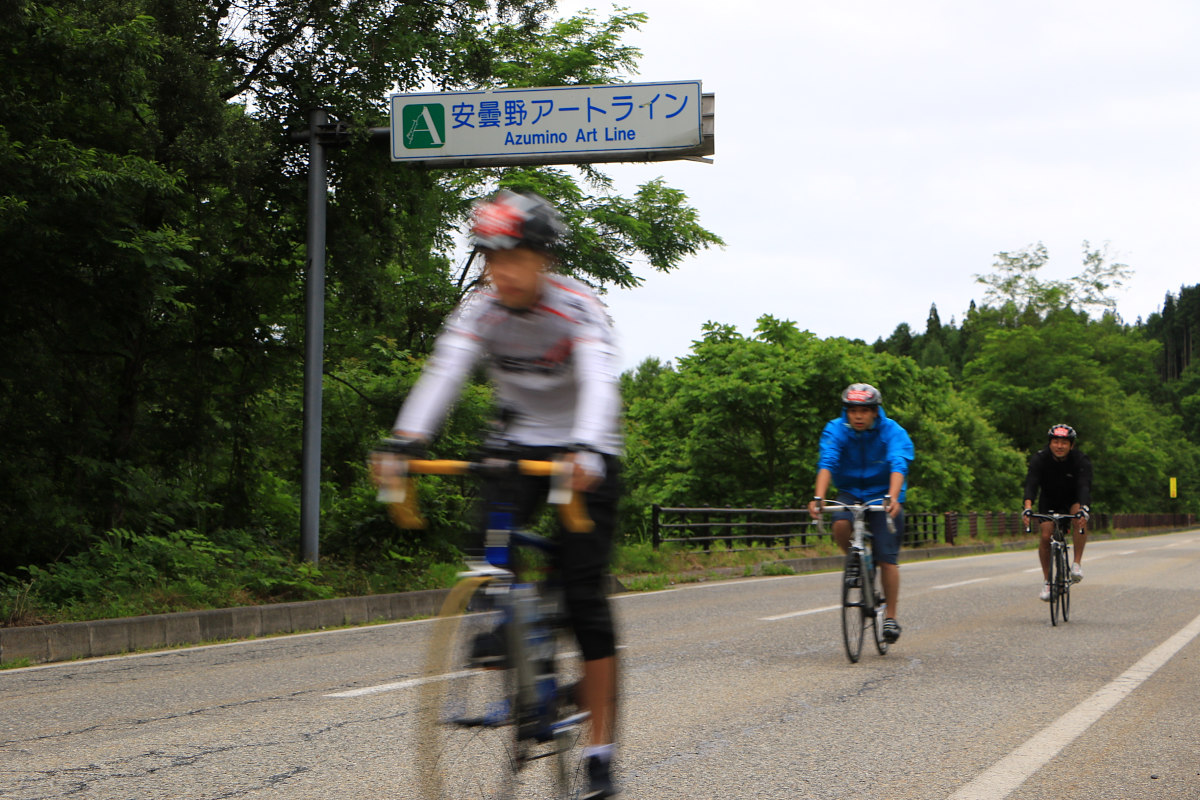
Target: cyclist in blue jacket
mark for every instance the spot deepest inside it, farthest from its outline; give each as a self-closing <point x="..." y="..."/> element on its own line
<point x="866" y="456"/>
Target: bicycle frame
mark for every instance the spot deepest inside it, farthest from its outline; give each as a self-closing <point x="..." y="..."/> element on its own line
<point x="533" y="616"/>
<point x="520" y="700"/>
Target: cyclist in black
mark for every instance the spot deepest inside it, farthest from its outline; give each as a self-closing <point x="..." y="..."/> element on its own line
<point x="1060" y="479"/>
<point x="551" y="355"/>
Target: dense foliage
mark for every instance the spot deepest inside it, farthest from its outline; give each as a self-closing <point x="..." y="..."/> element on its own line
<point x="738" y="421"/>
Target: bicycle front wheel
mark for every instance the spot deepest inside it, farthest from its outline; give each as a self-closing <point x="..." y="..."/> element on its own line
<point x="855" y="601"/>
<point x="466" y="737"/>
<point x="1056" y="582"/>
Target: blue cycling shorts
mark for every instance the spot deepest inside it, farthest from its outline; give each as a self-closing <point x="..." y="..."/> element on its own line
<point x="886" y="545"/>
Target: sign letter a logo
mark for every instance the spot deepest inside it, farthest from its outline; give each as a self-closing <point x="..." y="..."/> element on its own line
<point x="424" y="126"/>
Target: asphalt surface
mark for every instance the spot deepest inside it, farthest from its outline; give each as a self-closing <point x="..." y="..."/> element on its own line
<point x="731" y="689"/>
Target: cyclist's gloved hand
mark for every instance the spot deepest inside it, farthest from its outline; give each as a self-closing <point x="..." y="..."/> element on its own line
<point x="1027" y="512"/>
<point x="1086" y="512"/>
<point x="589" y="468"/>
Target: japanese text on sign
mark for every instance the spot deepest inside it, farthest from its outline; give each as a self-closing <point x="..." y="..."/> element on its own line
<point x="555" y="120"/>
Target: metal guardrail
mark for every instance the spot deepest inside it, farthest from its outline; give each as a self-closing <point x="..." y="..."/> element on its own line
<point x="791" y="528"/>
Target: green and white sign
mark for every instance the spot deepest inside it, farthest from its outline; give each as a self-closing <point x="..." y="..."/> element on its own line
<point x="568" y="123"/>
<point x="423" y="126"/>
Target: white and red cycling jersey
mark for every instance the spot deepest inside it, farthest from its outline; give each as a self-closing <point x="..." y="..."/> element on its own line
<point x="554" y="367"/>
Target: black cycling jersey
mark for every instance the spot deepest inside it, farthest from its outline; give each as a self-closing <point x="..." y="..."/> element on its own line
<point x="1060" y="483"/>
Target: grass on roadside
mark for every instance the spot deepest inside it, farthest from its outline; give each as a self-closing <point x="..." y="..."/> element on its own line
<point x="129" y="575"/>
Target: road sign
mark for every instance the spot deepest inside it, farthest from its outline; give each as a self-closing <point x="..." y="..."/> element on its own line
<point x="557" y="124"/>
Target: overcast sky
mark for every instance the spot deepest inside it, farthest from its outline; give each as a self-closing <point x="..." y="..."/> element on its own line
<point x="872" y="156"/>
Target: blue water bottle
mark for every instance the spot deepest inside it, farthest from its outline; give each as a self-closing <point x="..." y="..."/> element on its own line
<point x="499" y="529"/>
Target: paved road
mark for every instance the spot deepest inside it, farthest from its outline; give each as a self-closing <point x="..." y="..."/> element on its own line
<point x="735" y="689"/>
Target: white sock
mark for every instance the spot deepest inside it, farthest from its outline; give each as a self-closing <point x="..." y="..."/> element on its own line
<point x="604" y="752"/>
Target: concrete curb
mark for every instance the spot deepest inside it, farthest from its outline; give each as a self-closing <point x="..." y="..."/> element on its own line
<point x="106" y="637"/>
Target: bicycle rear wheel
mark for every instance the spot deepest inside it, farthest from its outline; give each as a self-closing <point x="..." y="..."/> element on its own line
<point x="572" y="727"/>
<point x="855" y="599"/>
<point x="466" y="737"/>
<point x="877" y="606"/>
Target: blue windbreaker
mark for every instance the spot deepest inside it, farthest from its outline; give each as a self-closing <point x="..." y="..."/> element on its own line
<point x="862" y="462"/>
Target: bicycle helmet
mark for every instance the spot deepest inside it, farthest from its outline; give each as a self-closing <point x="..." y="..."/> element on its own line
<point x="511" y="219"/>
<point x="861" y="394"/>
<point x="1061" y="431"/>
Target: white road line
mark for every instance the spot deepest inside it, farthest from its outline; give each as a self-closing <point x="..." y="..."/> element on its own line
<point x="960" y="583"/>
<point x="393" y="687"/>
<point x="412" y="682"/>
<point x="1126" y="552"/>
<point x="1014" y="769"/>
<point x="778" y="617"/>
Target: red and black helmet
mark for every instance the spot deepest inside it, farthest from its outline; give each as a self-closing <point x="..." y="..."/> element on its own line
<point x="1061" y="431"/>
<point x="511" y="219"/>
<point x="861" y="394"/>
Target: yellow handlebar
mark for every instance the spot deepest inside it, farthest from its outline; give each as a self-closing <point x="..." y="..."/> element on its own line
<point x="442" y="466"/>
<point x="401" y="497"/>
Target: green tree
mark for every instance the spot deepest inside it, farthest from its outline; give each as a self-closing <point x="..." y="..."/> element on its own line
<point x="1096" y="376"/>
<point x="738" y="423"/>
<point x="1015" y="280"/>
<point x="1177" y="326"/>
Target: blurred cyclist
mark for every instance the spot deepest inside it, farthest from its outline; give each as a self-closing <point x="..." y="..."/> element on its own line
<point x="866" y="456"/>
<point x="1063" y="476"/>
<point x="550" y="353"/>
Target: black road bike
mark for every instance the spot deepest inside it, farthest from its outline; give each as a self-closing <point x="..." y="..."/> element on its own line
<point x="1060" y="562"/>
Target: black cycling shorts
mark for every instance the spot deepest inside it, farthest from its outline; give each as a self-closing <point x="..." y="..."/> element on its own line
<point x="582" y="561"/>
<point x="1056" y="504"/>
<point x="885" y="544"/>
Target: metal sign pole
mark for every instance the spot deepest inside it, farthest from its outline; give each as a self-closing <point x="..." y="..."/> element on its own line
<point x="314" y="340"/>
